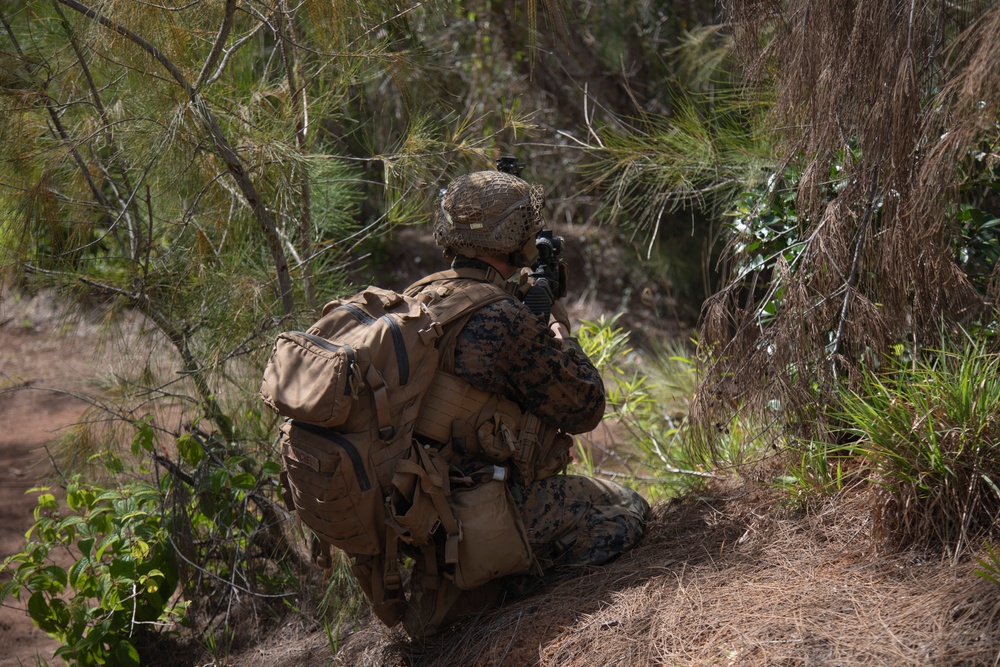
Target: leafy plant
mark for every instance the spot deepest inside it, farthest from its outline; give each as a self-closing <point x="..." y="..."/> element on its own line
<point x="227" y="528"/>
<point x="122" y="579"/>
<point x="977" y="216"/>
<point x="647" y="395"/>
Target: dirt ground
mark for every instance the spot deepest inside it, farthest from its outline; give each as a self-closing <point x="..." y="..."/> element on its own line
<point x="44" y="360"/>
<point x="732" y="578"/>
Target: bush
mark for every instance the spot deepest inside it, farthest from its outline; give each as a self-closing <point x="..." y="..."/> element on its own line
<point x="648" y="395"/>
<point x="122" y="578"/>
<point x="208" y="531"/>
<point x="929" y="435"/>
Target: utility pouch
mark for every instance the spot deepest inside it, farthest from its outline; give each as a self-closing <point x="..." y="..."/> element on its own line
<point x="334" y="486"/>
<point x="494" y="542"/>
<point x="312" y="379"/>
<point x="497" y="437"/>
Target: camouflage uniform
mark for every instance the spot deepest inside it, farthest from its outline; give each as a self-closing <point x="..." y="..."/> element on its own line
<point x="505" y="349"/>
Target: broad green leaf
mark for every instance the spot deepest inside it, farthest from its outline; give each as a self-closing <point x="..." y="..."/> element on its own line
<point x="86" y="545"/>
<point x="145" y="438"/>
<point x="219" y="479"/>
<point x="190" y="450"/>
<point x="126" y="654"/>
<point x="244" y="481"/>
<point x="47" y="501"/>
<point x="79" y="567"/>
<point x="38" y="609"/>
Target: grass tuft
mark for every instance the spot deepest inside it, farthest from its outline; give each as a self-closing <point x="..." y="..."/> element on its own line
<point x="929" y="436"/>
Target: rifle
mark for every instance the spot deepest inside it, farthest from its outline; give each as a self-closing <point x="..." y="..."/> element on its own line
<point x="549" y="270"/>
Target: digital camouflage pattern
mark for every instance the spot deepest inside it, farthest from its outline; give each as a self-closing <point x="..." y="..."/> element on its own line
<point x="574" y="520"/>
<point x="505" y="349"/>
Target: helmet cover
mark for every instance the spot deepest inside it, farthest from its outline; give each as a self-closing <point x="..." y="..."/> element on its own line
<point x="487" y="213"/>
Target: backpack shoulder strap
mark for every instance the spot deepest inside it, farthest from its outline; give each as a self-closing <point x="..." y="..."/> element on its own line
<point x="487" y="275"/>
<point x="463" y="292"/>
<point x="465" y="300"/>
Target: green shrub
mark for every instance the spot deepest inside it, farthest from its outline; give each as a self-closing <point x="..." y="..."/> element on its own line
<point x="648" y="396"/>
<point x="208" y="531"/>
<point x="122" y="578"/>
<point x="929" y="435"/>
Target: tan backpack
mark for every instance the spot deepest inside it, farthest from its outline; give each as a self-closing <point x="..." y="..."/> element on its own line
<point x="352" y="387"/>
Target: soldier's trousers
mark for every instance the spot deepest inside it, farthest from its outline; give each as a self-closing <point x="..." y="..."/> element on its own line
<point x="574" y="520"/>
<point x="569" y="520"/>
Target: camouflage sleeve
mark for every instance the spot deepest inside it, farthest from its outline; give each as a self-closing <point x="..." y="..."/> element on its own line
<point x="505" y="349"/>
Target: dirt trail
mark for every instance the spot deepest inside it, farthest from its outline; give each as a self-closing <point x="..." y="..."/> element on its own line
<point x="39" y="352"/>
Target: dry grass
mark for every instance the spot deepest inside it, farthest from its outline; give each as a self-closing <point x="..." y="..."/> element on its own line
<point x="732" y="580"/>
<point x="913" y="87"/>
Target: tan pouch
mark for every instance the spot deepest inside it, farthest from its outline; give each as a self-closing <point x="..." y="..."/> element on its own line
<point x="334" y="487"/>
<point x="494" y="543"/>
<point x="497" y="438"/>
<point x="311" y="379"/>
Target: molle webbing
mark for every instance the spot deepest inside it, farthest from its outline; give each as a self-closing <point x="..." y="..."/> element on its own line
<point x="455" y="413"/>
<point x="450" y="399"/>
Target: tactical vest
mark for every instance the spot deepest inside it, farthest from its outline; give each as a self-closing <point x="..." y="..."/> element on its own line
<point x="481" y="425"/>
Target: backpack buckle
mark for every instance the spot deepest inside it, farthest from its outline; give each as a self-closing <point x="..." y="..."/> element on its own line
<point x="431" y="333"/>
<point x="392" y="581"/>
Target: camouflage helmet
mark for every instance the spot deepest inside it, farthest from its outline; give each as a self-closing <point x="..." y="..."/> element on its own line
<point x="487" y="213"/>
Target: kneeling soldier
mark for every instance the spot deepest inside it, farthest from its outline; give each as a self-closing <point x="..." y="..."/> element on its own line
<point x="536" y="379"/>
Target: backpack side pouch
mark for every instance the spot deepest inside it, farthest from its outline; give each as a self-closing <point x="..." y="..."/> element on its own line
<point x="311" y="379"/>
<point x="494" y="542"/>
<point x="334" y="487"/>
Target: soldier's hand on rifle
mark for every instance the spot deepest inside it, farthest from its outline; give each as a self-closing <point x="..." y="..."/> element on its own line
<point x="548" y="274"/>
<point x="559" y="320"/>
<point x="540" y="296"/>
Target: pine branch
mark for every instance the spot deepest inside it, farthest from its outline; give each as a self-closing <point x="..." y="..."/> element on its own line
<point x="219" y="45"/>
<point x="222" y="147"/>
<point x="177" y="337"/>
<point x="230" y="51"/>
<point x="297" y="94"/>
<point x="127" y="204"/>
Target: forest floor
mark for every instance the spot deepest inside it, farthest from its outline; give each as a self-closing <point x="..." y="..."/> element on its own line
<point x="731" y="577"/>
<point x="46" y="361"/>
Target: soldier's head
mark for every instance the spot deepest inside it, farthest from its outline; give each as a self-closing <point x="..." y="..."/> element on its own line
<point x="489" y="213"/>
